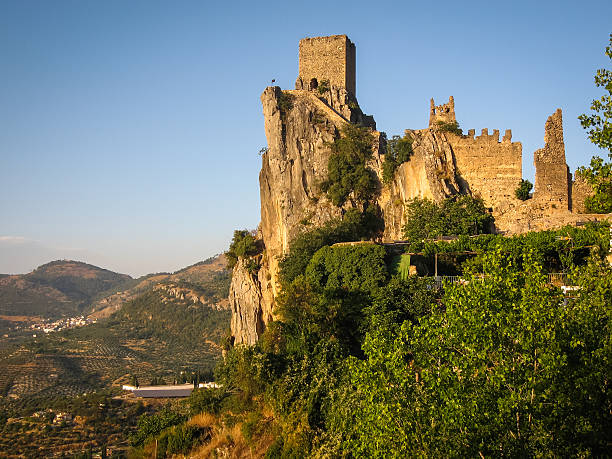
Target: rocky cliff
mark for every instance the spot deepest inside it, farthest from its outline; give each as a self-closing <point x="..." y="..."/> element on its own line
<point x="300" y="126"/>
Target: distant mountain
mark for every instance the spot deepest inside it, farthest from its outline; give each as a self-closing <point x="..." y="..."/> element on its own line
<point x="207" y="281"/>
<point x="56" y="289"/>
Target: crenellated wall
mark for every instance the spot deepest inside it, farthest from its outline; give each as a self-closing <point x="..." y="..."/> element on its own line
<point x="492" y="169"/>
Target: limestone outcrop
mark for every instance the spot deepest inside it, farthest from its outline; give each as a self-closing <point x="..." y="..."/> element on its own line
<point x="299" y="129"/>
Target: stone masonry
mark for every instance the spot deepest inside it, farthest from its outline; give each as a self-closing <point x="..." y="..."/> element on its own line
<point x="552" y="179"/>
<point x="444" y="113"/>
<point x="327" y="58"/>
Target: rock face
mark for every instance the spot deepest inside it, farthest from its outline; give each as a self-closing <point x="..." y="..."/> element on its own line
<point x="245" y="299"/>
<point x="300" y="126"/>
<point x="299" y="129"/>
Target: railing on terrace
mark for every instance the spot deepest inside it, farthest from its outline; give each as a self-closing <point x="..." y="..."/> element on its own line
<point x="558" y="279"/>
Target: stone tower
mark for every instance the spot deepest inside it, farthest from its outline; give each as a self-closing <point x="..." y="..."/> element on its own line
<point x="327" y="58"/>
<point x="552" y="174"/>
<point x="444" y="113"/>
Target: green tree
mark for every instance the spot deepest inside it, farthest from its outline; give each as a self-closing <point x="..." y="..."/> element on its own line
<point x="506" y="367"/>
<point x="599" y="127"/>
<point x="348" y="174"/>
<point x="461" y="215"/>
<point x="398" y="151"/>
<point x="523" y="191"/>
<point x="599" y="123"/>
<point x="599" y="176"/>
<point x="243" y="245"/>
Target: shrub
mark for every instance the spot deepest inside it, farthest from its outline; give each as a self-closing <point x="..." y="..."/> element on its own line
<point x="152" y="425"/>
<point x="451" y="127"/>
<point x="347" y="171"/>
<point x="399" y="150"/>
<point x="463" y="215"/>
<point x="206" y="401"/>
<point x="353" y="226"/>
<point x="323" y="87"/>
<point x="599" y="176"/>
<point x="243" y="245"/>
<point x="285" y="103"/>
<point x="523" y="191"/>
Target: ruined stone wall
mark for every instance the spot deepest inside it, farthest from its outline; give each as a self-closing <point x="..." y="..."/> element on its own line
<point x="580" y="190"/>
<point x="552" y="178"/>
<point x="492" y="169"/>
<point x="444" y="113"/>
<point x="328" y="58"/>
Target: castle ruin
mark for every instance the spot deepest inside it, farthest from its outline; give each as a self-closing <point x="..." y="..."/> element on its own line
<point x="444" y="162"/>
<point x="330" y="59"/>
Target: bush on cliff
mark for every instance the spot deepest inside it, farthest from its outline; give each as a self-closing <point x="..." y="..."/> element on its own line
<point x="451" y="127"/>
<point x="399" y="150"/>
<point x="348" y="174"/>
<point x="243" y="245"/>
<point x="353" y="226"/>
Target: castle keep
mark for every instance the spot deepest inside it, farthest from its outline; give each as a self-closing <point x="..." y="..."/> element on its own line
<point x="330" y="59"/>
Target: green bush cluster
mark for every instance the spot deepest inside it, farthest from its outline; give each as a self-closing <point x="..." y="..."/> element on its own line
<point x="399" y="150"/>
<point x="523" y="190"/>
<point x="459" y="371"/>
<point x="348" y="174"/>
<point x="353" y="226"/>
<point x="243" y="245"/>
<point x="460" y="215"/>
<point x="451" y="127"/>
<point x="599" y="176"/>
<point x="323" y="87"/>
<point x="285" y="103"/>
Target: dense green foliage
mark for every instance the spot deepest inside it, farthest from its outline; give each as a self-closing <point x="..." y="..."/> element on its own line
<point x="462" y="215"/>
<point x="556" y="250"/>
<point x="365" y="362"/>
<point x="451" y="127"/>
<point x="505" y="368"/>
<point x="599" y="126"/>
<point x="523" y="191"/>
<point x="243" y="245"/>
<point x="599" y="123"/>
<point x="399" y="150"/>
<point x="285" y="103"/>
<point x="352" y="227"/>
<point x="152" y="425"/>
<point x="599" y="176"/>
<point x="348" y="174"/>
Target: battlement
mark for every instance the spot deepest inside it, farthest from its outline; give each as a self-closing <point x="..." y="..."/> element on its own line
<point x="444" y="113"/>
<point x="327" y="58"/>
<point x="486" y="137"/>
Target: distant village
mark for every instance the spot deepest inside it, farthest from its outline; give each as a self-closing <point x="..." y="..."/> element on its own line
<point x="48" y="326"/>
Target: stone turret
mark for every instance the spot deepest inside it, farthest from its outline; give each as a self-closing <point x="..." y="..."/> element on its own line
<point x="552" y="178"/>
<point x="330" y="59"/>
<point x="444" y="113"/>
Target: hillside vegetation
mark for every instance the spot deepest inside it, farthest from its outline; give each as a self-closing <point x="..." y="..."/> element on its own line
<point x="157" y="337"/>
<point x="366" y="361"/>
<point x="56" y="289"/>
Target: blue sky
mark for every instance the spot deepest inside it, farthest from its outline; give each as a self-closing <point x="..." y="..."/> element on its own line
<point x="130" y="130"/>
